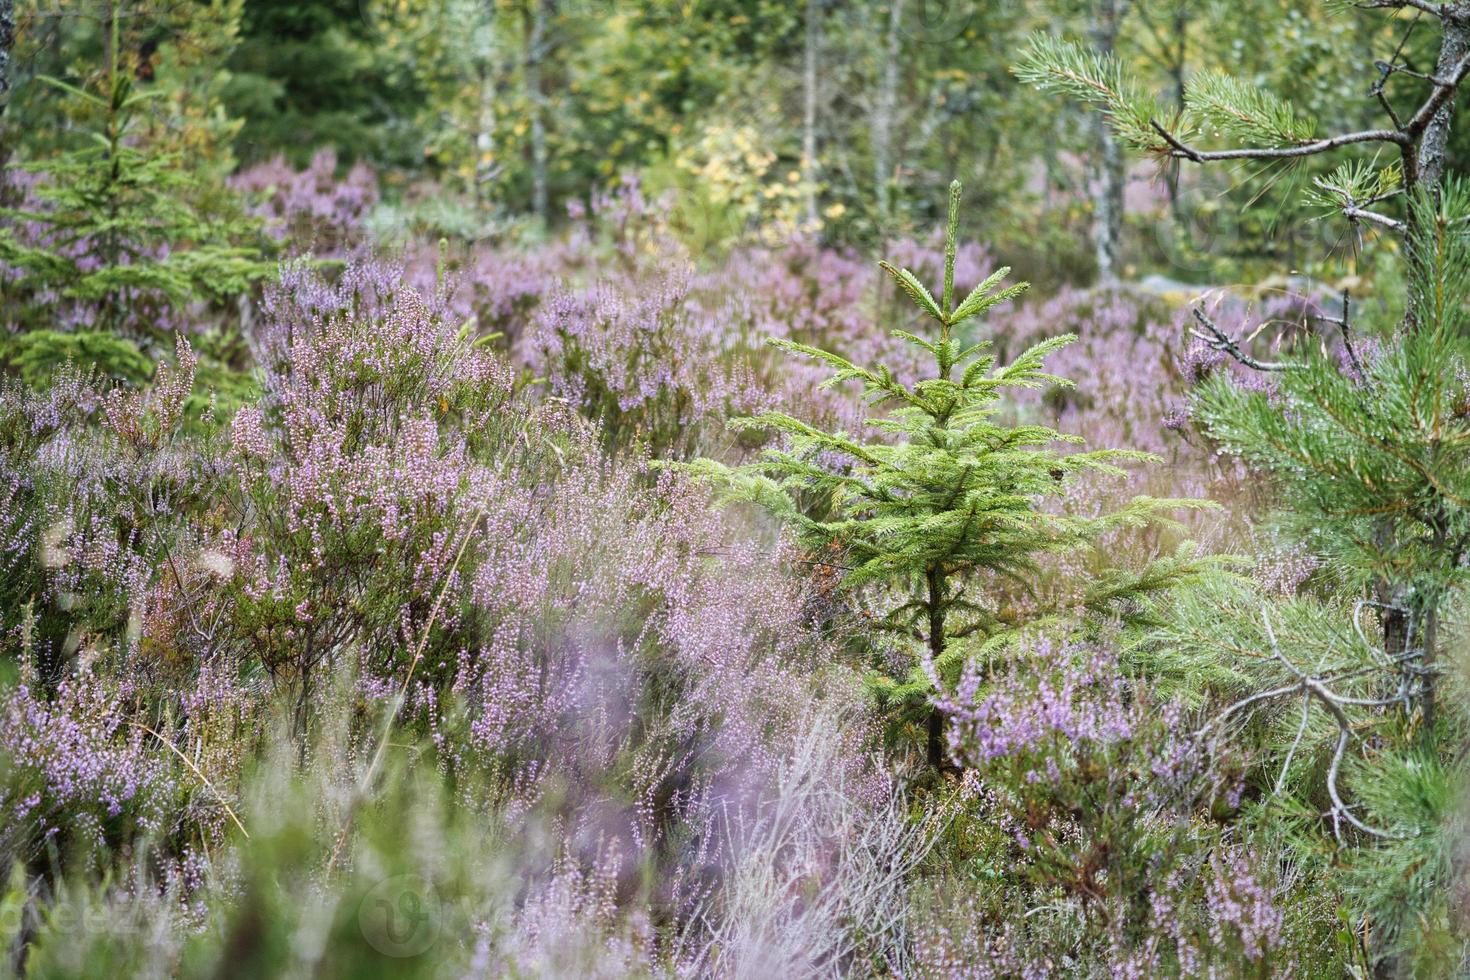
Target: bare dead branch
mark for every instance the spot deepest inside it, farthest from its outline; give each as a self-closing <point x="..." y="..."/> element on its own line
<point x="1444" y="88"/>
<point x="1184" y="150"/>
<point x="1382" y="97"/>
<point x="1313" y="688"/>
<point x="1301" y="730"/>
<point x="1347" y="342"/>
<point x="1217" y="339"/>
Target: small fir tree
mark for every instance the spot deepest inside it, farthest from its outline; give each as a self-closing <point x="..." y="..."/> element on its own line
<point x="118" y="235"/>
<point x="948" y="499"/>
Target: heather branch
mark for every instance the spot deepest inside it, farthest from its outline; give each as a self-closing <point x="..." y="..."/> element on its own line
<point x="397" y="704"/>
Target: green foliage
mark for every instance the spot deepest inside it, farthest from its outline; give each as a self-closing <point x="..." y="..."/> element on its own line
<point x="325" y="72"/>
<point x="1239" y="110"/>
<point x="1373" y="462"/>
<point x="1369" y="451"/>
<point x="37" y="354"/>
<point x="1055" y="64"/>
<point x="1400" y="884"/>
<point x="1214" y="102"/>
<point x="946" y="508"/>
<point x="1356" y="183"/>
<point x="122" y="232"/>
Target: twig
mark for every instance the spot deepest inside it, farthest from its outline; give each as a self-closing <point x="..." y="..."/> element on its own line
<point x="1180" y="149"/>
<point x="196" y="770"/>
<point x="1347" y="340"/>
<point x="1219" y="340"/>
<point x="398" y="699"/>
<point x="1354" y="213"/>
<point x="1300" y="731"/>
<point x="1378" y="93"/>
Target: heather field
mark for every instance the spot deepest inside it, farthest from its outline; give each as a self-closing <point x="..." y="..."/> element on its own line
<point x="561" y="488"/>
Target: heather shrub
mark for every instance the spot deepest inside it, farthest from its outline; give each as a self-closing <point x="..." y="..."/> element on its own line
<point x="645" y="365"/>
<point x="108" y="482"/>
<point x="426" y="887"/>
<point x="312" y="209"/>
<point x="76" y="779"/>
<point x="1108" y="803"/>
<point x="661" y="350"/>
<point x="568" y="634"/>
<point x="357" y="473"/>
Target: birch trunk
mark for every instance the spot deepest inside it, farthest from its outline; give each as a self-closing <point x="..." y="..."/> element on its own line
<point x="883" y="120"/>
<point x="809" y="110"/>
<point x="536" y="95"/>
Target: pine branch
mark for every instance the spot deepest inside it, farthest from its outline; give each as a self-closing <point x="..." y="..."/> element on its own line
<point x="1183" y="150"/>
<point x="1444" y="88"/>
<point x="1243" y="111"/>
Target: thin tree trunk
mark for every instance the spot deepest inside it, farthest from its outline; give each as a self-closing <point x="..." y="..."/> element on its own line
<point x="1454" y="43"/>
<point x="809" y="110"/>
<point x="883" y="120"/>
<point x="485" y="121"/>
<point x="1176" y="83"/>
<point x="934" y="741"/>
<point x="7" y="42"/>
<point x="1107" y="177"/>
<point x="1424" y="163"/>
<point x="535" y="54"/>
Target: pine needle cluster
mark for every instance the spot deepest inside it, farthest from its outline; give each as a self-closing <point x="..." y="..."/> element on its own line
<point x="1215" y="103"/>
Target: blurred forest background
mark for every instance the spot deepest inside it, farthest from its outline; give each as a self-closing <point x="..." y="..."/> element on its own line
<point x="836" y="118"/>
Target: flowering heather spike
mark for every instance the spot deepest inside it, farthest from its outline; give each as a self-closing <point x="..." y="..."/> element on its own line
<point x="74" y="774"/>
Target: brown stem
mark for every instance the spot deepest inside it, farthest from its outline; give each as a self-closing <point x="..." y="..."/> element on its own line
<point x="935" y="739"/>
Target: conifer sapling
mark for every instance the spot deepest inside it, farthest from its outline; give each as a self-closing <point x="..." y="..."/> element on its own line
<point x="946" y="505"/>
